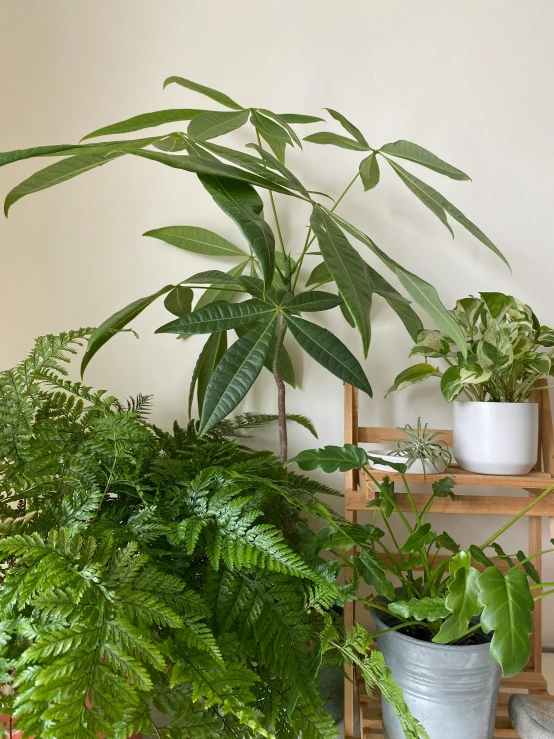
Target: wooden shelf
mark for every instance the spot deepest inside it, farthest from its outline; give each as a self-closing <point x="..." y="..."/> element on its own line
<point x="532" y="481"/>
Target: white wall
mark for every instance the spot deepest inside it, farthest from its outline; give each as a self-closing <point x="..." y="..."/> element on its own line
<point x="468" y="79"/>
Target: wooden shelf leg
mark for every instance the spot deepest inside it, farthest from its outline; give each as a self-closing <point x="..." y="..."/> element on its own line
<point x="535" y="545"/>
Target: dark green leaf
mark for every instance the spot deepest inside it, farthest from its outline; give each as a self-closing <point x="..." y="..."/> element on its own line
<point x="372" y="572"/>
<point x="418" y="539"/>
<point x="479" y="556"/>
<point x="415" y="153"/>
<point x="286" y="367"/>
<point x="412" y="375"/>
<point x="197" y="240"/>
<point x="216" y="123"/>
<point x="350" y="127"/>
<point x="529" y="568"/>
<point x="399" y="467"/>
<point x="216" y="277"/>
<point x="422" y="609"/>
<point x="235" y="374"/>
<point x="116" y="322"/>
<point x="501" y="554"/>
<point x="396" y="301"/>
<point x="443" y="488"/>
<point x="171" y="143"/>
<point x="276" y="118"/>
<point x="216" y="317"/>
<point x="329" y="351"/>
<point x="145" y="120"/>
<point x="347" y="315"/>
<point x="331" y="458"/>
<point x="334" y="139"/>
<point x="299" y="118"/>
<point x="319" y="275"/>
<point x="445" y="541"/>
<point x="277" y="146"/>
<point x="214" y="348"/>
<point x="7" y="157"/>
<point x="369" y="172"/>
<point x="276" y="164"/>
<point x="462" y="604"/>
<point x="347" y="269"/>
<point x="179" y="300"/>
<point x="314" y="300"/>
<point x="219" y="97"/>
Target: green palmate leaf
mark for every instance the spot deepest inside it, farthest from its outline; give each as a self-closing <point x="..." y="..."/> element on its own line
<point x="214" y="348"/>
<point x="412" y="375"/>
<point x="494" y="350"/>
<point x="216" y="123"/>
<point x="145" y="120"/>
<point x="179" y="300"/>
<point x="278" y="165"/>
<point x="286" y="367"/>
<point x="217" y="317"/>
<point x="415" y="153"/>
<point x="216" y="277"/>
<point x="331" y="458"/>
<point x="174" y="142"/>
<point x="197" y="240"/>
<point x="235" y="374"/>
<point x="116" y="323"/>
<point x="396" y="301"/>
<point x="462" y="604"/>
<point x="350" y="127"/>
<point x="347" y="269"/>
<point x="529" y="568"/>
<point x="319" y="275"/>
<point x="299" y="118"/>
<point x="219" y="97"/>
<point x="369" y="172"/>
<point x="421" y="537"/>
<point x="276" y="118"/>
<point x="268" y="127"/>
<point x="422" y="609"/>
<point x="508" y="606"/>
<point x="456" y="378"/>
<point x="278" y="147"/>
<point x="435" y="201"/>
<point x="427" y="297"/>
<point x="7" y="157"/>
<point x="315" y="300"/>
<point x="334" y="139"/>
<point x="243" y="204"/>
<point x="329" y="351"/>
<point x="372" y="572"/>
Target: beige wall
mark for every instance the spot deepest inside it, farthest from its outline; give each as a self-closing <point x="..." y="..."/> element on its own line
<point x="469" y="79"/>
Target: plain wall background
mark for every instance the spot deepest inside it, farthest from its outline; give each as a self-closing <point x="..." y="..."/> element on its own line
<point x="468" y="79"/>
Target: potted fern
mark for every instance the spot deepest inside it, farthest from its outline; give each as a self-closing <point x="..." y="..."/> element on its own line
<point x="456" y="621"/>
<point x="508" y="350"/>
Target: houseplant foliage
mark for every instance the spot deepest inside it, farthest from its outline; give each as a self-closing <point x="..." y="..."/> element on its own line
<point x="505" y="352"/>
<point x="422" y="446"/>
<point x="144" y="567"/>
<point x="443" y="597"/>
<point x="267" y="271"/>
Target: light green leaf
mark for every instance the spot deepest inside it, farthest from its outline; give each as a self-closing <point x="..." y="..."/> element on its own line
<point x="145" y="120"/>
<point x="179" y="300"/>
<point x="216" y="317"/>
<point x="427" y="297"/>
<point x="508" y="606"/>
<point x="215" y="277"/>
<point x="7" y="157"/>
<point x="462" y="603"/>
<point x="299" y="118"/>
<point x="456" y="378"/>
<point x="334" y="139"/>
<point x="422" y="609"/>
<point x="372" y="572"/>
<point x="466" y="312"/>
<point x="431" y="344"/>
<point x="400" y="305"/>
<point x="275" y="163"/>
<point x="219" y="97"/>
<point x="350" y="127"/>
<point x="268" y="127"/>
<point x="497" y="304"/>
<point x="494" y="350"/>
<point x="412" y="375"/>
<point x="215" y="123"/>
<point x="276" y="118"/>
<point x="197" y="240"/>
<point x="116" y="322"/>
<point x="369" y="172"/>
<point x="278" y="147"/>
<point x="415" y="153"/>
<point x="331" y="458"/>
<point x="348" y="270"/>
<point x="314" y="300"/>
<point x="329" y="351"/>
<point x="421" y="537"/>
<point x="319" y="275"/>
<point x="235" y="374"/>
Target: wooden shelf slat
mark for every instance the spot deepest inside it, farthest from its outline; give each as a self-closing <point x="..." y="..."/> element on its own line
<point x="533" y="480"/>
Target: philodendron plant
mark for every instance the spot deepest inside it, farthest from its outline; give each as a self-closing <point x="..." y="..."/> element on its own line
<point x="449" y="597"/>
<point x="505" y="351"/>
<point x="270" y="279"/>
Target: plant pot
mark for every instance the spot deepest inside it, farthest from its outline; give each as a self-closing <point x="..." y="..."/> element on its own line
<point x="416" y="467"/>
<point x="496" y="438"/>
<point x="451" y="690"/>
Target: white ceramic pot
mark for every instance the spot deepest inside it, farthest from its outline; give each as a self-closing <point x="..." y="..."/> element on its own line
<point x="496" y="438"/>
<point x="416" y="467"/>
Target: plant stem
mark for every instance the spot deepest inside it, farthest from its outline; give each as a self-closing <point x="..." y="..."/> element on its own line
<point x="543" y="595"/>
<point x="396" y="508"/>
<point x="411" y="499"/>
<point x="511" y="522"/>
<point x="281" y="393"/>
<point x="469" y="631"/>
<point x="395" y="628"/>
<point x="541" y="585"/>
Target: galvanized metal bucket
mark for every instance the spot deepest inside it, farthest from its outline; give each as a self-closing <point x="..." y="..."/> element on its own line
<point x="452" y="690"/>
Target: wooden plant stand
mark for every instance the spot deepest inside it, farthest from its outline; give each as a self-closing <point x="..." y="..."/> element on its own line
<point x="359" y="490"/>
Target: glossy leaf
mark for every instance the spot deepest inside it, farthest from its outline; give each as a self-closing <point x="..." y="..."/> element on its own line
<point x="269" y="127"/>
<point x="528" y="567"/>
<point x="145" y="120"/>
<point x="369" y="172"/>
<point x="462" y="605"/>
<point x="348" y="126"/>
<point x="347" y="269"/>
<point x="494" y="350"/>
<point x="431" y="344"/>
<point x="420" y="609"/>
<point x="412" y="375"/>
<point x="235" y="374"/>
<point x="418" y="539"/>
<point x="479" y="556"/>
<point x="372" y="572"/>
<point x="415" y="153"/>
<point x="276" y="118"/>
<point x="456" y="378"/>
<point x="215" y="277"/>
<point x="335" y="139"/>
<point x="329" y="351"/>
<point x="214" y="123"/>
<point x="214" y="348"/>
<point x="243" y="205"/>
<point x="508" y="605"/>
<point x="197" y="240"/>
<point x="314" y="300"/>
<point x="212" y="295"/>
<point x="347" y="315"/>
<point x="216" y="317"/>
<point x="179" y="300"/>
<point x="319" y="275"/>
<point x="219" y="97"/>
<point x="116" y="323"/>
<point x="286" y="367"/>
<point x="331" y="458"/>
<point x="497" y="303"/>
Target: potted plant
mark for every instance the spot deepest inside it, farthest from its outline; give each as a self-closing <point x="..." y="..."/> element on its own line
<point x="495" y="423"/>
<point x="420" y="450"/>
<point x="456" y="621"/>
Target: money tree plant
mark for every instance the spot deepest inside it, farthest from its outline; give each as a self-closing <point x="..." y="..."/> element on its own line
<point x="264" y="295"/>
<point x="449" y="598"/>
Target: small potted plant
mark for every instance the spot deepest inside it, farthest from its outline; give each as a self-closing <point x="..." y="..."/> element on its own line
<point x="508" y="350"/>
<point x="456" y="621"/>
<point x="420" y="450"/>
